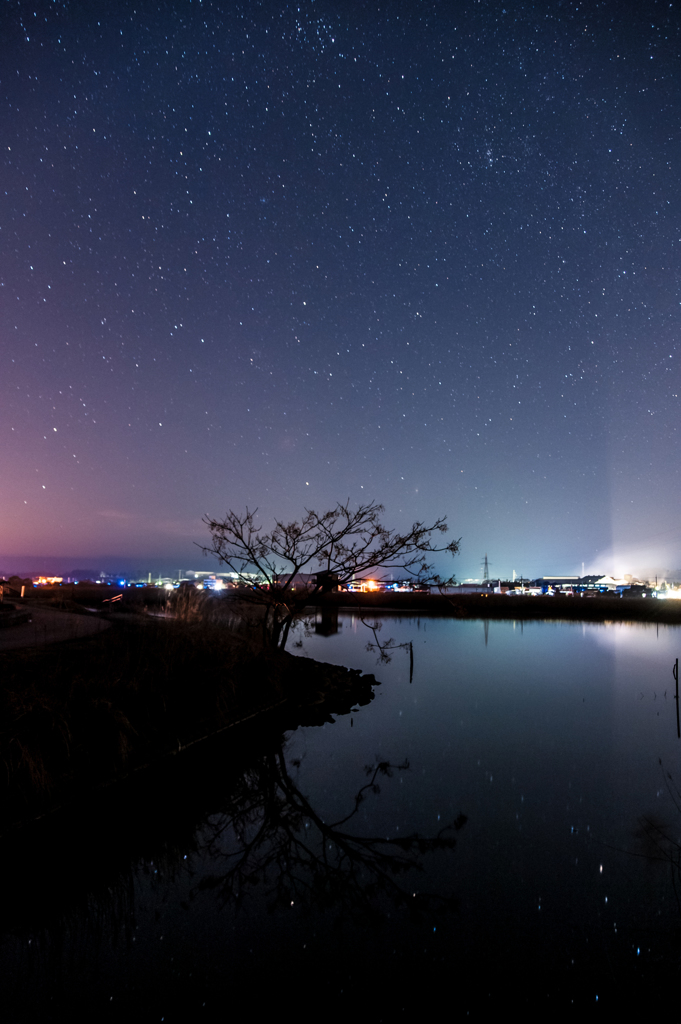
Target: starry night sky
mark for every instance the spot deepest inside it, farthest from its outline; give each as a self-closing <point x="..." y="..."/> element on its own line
<point x="280" y="255"/>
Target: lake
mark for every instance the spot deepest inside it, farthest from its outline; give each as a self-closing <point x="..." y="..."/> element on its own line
<point x="501" y="830"/>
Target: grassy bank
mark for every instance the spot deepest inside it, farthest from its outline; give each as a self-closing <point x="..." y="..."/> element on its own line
<point x="81" y="714"/>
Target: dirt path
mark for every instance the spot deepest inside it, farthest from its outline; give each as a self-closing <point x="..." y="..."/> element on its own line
<point x="49" y="627"/>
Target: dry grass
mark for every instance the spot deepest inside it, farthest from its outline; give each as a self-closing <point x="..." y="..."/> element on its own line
<point x="83" y="712"/>
<point x="87" y="712"/>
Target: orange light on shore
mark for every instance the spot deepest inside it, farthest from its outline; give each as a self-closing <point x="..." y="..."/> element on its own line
<point x="47" y="581"/>
<point x="371" y="585"/>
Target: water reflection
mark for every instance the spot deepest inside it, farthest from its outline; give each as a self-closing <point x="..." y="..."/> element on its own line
<point x="386" y="646"/>
<point x="627" y="639"/>
<point x="272" y="835"/>
<point x="271" y="863"/>
<point x="326" y="620"/>
<point x="229" y="823"/>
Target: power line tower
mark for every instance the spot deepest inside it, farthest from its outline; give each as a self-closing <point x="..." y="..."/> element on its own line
<point x="485" y="569"/>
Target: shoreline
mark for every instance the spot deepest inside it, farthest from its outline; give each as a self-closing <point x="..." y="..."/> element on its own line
<point x="600" y="608"/>
<point x="589" y="607"/>
<point x="85" y="714"/>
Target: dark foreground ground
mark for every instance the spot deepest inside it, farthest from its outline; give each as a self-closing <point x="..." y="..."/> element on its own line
<point x="92" y="710"/>
<point x="34" y="626"/>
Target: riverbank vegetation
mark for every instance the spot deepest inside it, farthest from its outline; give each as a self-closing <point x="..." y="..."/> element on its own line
<point x="82" y="714"/>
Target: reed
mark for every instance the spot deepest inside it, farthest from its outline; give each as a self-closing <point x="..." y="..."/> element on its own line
<point x="83" y="712"/>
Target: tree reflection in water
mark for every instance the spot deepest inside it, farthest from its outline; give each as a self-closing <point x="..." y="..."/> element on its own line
<point x="656" y="837"/>
<point x="272" y="835"/>
<point x="223" y="822"/>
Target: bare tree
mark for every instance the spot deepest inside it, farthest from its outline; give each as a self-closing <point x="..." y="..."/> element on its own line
<point x="341" y="545"/>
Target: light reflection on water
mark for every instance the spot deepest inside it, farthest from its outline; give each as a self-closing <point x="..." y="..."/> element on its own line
<point x="532" y="691"/>
<point x="547" y="737"/>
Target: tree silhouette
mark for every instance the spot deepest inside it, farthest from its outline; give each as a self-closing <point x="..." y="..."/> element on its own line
<point x="340" y="545"/>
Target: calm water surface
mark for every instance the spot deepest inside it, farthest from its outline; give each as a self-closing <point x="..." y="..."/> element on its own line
<point x="532" y="762"/>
